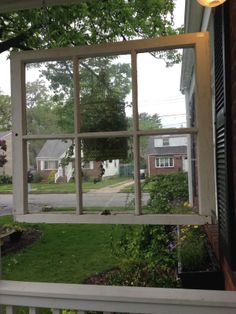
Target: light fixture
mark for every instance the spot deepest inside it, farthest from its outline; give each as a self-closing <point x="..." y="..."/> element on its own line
<point x="211" y="3"/>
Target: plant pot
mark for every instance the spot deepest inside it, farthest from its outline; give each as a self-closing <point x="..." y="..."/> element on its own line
<point x="16" y="236"/>
<point x="209" y="279"/>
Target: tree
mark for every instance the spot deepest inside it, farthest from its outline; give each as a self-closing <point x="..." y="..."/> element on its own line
<point x="104" y="85"/>
<point x="87" y="22"/>
<point x="5" y="112"/>
<point x="3" y="149"/>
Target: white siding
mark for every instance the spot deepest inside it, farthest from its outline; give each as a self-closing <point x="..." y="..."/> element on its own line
<point x="173" y="141"/>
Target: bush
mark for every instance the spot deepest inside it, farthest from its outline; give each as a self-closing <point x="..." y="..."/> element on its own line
<point x="148" y="256"/>
<point x="193" y="249"/>
<point x="167" y="191"/>
<point x="51" y="177"/>
<point x="37" y="177"/>
<point x="5" y="179"/>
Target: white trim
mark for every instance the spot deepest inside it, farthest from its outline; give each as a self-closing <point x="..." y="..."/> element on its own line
<point x="117" y="299"/>
<point x="116" y="218"/>
<point x="166" y="158"/>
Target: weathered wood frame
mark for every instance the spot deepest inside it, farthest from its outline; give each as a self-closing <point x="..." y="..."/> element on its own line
<point x="203" y="129"/>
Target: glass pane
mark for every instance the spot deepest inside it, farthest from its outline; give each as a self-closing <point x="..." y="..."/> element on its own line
<point x="105" y="89"/>
<point x="51" y="178"/>
<point x="49" y="97"/>
<point x="107" y="172"/>
<point x="170" y="184"/>
<point x="160" y="101"/>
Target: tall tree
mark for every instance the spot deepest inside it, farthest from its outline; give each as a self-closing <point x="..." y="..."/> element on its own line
<point x="87" y="22"/>
<point x="5" y="112"/>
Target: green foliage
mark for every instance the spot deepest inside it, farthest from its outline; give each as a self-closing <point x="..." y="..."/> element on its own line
<point x="167" y="191"/>
<point x="15" y="226"/>
<point x="5" y="112"/>
<point x="5" y="179"/>
<point x="148" y="256"/>
<point x="51" y="177"/>
<point x="87" y="23"/>
<point x="193" y="249"/>
<point x="37" y="177"/>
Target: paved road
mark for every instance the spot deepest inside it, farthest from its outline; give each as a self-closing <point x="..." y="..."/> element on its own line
<point x="90" y="199"/>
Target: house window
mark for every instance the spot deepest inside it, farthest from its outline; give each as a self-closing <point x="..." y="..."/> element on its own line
<point x="87" y="165"/>
<point x="166" y="141"/>
<point x="50" y="165"/>
<point x="164" y="162"/>
<point x="105" y="127"/>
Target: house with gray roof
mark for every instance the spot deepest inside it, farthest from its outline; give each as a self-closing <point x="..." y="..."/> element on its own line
<point x="51" y="154"/>
<point x="7" y="168"/>
<point x="167" y="154"/>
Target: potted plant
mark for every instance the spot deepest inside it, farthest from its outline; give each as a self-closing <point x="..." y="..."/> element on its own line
<point x="197" y="266"/>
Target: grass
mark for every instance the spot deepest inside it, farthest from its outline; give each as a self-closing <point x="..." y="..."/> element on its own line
<point x="65" y="253"/>
<point x="67" y="187"/>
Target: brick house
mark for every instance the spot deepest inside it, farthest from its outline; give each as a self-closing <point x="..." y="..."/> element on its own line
<point x="167" y="154"/>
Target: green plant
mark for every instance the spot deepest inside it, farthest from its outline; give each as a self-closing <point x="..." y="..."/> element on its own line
<point x="148" y="256"/>
<point x="167" y="191"/>
<point x="37" y="177"/>
<point x="15" y="226"/>
<point x="51" y="177"/>
<point x="5" y="179"/>
<point x="193" y="249"/>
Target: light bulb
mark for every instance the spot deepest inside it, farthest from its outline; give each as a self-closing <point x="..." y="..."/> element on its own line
<point x="211" y="3"/>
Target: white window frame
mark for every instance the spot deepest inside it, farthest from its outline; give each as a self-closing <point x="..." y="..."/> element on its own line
<point x="50" y="161"/>
<point x="167" y="162"/>
<point x="203" y="129"/>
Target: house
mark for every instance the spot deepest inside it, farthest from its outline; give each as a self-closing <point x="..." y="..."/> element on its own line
<point x="52" y="153"/>
<point x="110" y="299"/>
<point x="167" y="154"/>
<point x="7" y="168"/>
<point x="221" y="24"/>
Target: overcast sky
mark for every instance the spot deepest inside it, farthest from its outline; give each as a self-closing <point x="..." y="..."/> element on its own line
<point x="158" y="85"/>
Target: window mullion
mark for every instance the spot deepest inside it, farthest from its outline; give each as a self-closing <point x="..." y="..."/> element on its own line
<point x="137" y="187"/>
<point x="77" y="147"/>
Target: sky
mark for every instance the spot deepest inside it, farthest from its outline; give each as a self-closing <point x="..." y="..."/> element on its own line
<point x="158" y="86"/>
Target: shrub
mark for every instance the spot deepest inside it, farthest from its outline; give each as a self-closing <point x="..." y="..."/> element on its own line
<point x="5" y="179"/>
<point x="167" y="191"/>
<point x="37" y="177"/>
<point x="51" y="177"/>
<point x="148" y="256"/>
<point x="193" y="249"/>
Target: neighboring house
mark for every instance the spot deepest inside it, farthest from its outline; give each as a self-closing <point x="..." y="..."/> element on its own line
<point x="221" y="24"/>
<point x="166" y="154"/>
<point x="53" y="151"/>
<point x="7" y="168"/>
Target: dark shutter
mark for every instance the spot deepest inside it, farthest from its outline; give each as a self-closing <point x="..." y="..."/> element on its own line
<point x="223" y="139"/>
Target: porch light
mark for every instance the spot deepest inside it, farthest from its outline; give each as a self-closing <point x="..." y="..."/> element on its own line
<point x="211" y="3"/>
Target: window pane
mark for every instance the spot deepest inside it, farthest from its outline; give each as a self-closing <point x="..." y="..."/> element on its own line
<point x="160" y="101"/>
<point x="49" y="97"/>
<point x="170" y="184"/>
<point x="105" y="89"/>
<point x="51" y="175"/>
<point x="108" y="187"/>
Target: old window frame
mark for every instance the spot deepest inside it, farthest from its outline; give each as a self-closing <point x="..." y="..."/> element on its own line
<point x="203" y="129"/>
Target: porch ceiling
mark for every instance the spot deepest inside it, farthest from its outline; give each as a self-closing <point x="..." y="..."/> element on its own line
<point x="15" y="5"/>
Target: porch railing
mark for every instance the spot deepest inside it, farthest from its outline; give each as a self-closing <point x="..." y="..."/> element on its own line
<point x="111" y="299"/>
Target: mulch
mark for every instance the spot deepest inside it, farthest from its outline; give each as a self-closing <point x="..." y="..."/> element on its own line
<point x="27" y="238"/>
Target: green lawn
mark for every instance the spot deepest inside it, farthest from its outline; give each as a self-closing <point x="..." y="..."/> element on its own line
<point x="65" y="253"/>
<point x="66" y="187"/>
